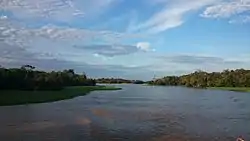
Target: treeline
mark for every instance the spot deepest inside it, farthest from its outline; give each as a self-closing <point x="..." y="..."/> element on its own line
<point x="201" y="79"/>
<point x="27" y="78"/>
<point x="118" y="81"/>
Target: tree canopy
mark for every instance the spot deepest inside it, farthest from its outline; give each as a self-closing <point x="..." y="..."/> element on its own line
<point x="27" y="78"/>
<point x="227" y="78"/>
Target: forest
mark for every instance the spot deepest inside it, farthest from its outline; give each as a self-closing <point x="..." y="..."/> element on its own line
<point x="201" y="79"/>
<point x="27" y="78"/>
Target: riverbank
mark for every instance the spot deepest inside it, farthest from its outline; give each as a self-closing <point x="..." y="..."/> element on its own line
<point x="17" y="97"/>
<point x="236" y="89"/>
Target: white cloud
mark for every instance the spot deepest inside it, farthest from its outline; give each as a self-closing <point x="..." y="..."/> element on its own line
<point x="18" y="38"/>
<point x="171" y="15"/>
<point x="144" y="46"/>
<point x="109" y="50"/>
<point x="94" y="6"/>
<point x="13" y="56"/>
<point x="54" y="10"/>
<point x="228" y="10"/>
<point x="240" y="20"/>
<point x="177" y="64"/>
<point x="13" y="33"/>
<point x="73" y="34"/>
<point x="173" y="12"/>
<point x="3" y="17"/>
<point x="49" y="41"/>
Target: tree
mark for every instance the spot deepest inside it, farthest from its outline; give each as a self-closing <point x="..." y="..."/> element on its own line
<point x="201" y="79"/>
<point x="26" y="78"/>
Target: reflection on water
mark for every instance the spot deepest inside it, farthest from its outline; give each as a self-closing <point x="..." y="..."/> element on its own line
<point x="136" y="113"/>
<point x="101" y="113"/>
<point x="83" y="121"/>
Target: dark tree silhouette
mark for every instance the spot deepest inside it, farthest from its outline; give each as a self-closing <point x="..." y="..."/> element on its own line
<point x="201" y="79"/>
<point x="27" y="78"/>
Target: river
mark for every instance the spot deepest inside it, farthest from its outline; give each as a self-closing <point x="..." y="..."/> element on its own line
<point x="135" y="113"/>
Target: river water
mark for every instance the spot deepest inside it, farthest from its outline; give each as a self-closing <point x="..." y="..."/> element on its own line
<point x="135" y="113"/>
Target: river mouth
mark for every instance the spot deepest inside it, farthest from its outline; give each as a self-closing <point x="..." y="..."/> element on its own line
<point x="136" y="113"/>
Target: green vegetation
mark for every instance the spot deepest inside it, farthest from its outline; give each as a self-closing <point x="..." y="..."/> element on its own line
<point x="237" y="89"/>
<point x="26" y="85"/>
<point x="17" y="97"/>
<point x="27" y="78"/>
<point x="118" y="81"/>
<point x="237" y="80"/>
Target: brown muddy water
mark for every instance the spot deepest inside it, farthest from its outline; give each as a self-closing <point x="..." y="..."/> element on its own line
<point x="136" y="113"/>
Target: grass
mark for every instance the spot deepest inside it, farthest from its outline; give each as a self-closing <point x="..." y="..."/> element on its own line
<point x="17" y="97"/>
<point x="237" y="89"/>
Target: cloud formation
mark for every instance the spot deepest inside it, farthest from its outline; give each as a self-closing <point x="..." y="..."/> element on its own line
<point x="116" y="49"/>
<point x="208" y="63"/>
<point x="57" y="34"/>
<point x="192" y="59"/>
<point x="228" y="10"/>
<point x="144" y="46"/>
<point x="13" y="56"/>
<point x="53" y="10"/>
<point x="173" y="12"/>
<point x="13" y="33"/>
<point x="171" y="15"/>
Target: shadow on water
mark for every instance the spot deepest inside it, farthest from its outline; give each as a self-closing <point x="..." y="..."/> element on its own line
<point x="136" y="113"/>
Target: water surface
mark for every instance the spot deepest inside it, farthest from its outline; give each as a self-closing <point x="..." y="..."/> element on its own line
<point x="136" y="113"/>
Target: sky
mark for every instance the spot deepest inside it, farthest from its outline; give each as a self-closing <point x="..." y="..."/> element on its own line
<point x="132" y="39"/>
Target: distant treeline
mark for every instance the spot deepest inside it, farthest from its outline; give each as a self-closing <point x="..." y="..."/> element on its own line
<point x="118" y="81"/>
<point x="27" y="78"/>
<point x="227" y="78"/>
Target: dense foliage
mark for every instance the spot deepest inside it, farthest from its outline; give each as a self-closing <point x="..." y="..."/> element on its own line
<point x="118" y="81"/>
<point x="227" y="78"/>
<point x="27" y="78"/>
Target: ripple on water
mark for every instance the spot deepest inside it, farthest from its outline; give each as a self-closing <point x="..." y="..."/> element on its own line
<point x="136" y="114"/>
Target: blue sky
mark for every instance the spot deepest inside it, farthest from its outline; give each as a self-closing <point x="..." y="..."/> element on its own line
<point x="126" y="38"/>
